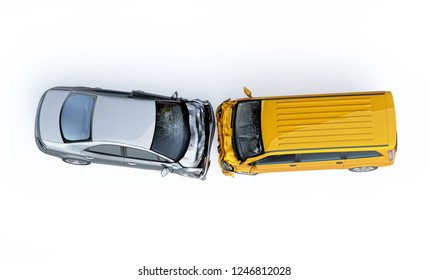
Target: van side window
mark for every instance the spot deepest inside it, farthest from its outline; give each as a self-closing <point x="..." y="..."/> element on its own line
<point x="320" y="157"/>
<point x="366" y="154"/>
<point x="277" y="159"/>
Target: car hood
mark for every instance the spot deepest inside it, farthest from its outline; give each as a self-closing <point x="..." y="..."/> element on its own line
<point x="124" y="120"/>
<point x="201" y="132"/>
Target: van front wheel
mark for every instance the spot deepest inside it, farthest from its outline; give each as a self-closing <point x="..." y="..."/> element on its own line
<point x="363" y="169"/>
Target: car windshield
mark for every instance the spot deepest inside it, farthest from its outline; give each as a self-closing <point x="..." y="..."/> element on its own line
<point x="75" y="118"/>
<point x="247" y="138"/>
<point x="171" y="137"/>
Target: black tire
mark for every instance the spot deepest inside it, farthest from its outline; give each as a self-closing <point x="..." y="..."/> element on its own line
<point x="75" y="161"/>
<point x="363" y="169"/>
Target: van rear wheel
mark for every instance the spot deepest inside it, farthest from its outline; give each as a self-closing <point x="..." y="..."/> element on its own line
<point x="363" y="168"/>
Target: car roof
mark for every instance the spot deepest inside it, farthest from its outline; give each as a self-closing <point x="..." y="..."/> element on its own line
<point x="324" y="121"/>
<point x="124" y="120"/>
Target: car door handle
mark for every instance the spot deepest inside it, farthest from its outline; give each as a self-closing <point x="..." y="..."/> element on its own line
<point x="131" y="163"/>
<point x="88" y="157"/>
<point x="292" y="165"/>
<point x="339" y="162"/>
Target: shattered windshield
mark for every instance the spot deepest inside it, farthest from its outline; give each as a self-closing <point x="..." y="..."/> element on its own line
<point x="247" y="129"/>
<point x="171" y="136"/>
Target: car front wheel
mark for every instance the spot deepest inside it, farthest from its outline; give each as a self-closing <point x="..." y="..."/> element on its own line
<point x="76" y="161"/>
<point x="363" y="169"/>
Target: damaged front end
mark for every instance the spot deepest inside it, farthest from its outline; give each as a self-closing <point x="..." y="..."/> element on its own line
<point x="196" y="160"/>
<point x="239" y="127"/>
<point x="224" y="119"/>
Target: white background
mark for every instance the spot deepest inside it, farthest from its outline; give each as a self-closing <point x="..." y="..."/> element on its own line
<point x="59" y="221"/>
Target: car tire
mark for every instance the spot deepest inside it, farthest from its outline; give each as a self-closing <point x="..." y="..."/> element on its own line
<point x="363" y="168"/>
<point x="75" y="161"/>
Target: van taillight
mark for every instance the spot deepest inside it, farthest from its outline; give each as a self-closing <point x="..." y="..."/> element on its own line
<point x="391" y="154"/>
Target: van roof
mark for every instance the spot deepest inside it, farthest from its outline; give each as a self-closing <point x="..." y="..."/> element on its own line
<point x="325" y="121"/>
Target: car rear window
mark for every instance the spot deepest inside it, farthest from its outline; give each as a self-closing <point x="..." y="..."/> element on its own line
<point x="75" y="117"/>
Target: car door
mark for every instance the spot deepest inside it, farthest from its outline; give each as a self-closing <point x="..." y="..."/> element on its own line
<point x="275" y="163"/>
<point x="105" y="154"/>
<point x="314" y="161"/>
<point x="144" y="159"/>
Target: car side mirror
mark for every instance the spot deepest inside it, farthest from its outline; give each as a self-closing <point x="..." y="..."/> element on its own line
<point x="165" y="171"/>
<point x="175" y="95"/>
<point x="247" y="92"/>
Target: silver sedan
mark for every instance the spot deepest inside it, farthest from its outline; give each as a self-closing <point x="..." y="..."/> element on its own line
<point x="137" y="129"/>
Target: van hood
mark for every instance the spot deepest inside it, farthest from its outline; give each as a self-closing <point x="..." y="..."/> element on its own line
<point x="224" y="125"/>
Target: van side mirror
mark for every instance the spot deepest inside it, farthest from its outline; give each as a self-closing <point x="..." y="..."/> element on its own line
<point x="247" y="92"/>
<point x="252" y="170"/>
<point x="165" y="171"/>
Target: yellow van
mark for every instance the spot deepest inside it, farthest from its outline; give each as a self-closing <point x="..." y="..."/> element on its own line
<point x="355" y="130"/>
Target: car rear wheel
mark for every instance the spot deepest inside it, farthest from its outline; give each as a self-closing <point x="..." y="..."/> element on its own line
<point x="76" y="161"/>
<point x="363" y="169"/>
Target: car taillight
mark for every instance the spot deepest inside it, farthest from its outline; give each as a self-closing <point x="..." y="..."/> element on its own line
<point x="391" y="154"/>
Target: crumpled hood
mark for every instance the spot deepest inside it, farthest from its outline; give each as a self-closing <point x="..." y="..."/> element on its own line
<point x="197" y="127"/>
<point x="226" y="150"/>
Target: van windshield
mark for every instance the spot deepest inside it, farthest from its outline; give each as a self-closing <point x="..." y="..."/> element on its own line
<point x="247" y="138"/>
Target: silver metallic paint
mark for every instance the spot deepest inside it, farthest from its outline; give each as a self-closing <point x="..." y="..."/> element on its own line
<point x="127" y="122"/>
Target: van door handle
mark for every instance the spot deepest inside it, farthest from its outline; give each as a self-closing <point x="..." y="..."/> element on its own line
<point x="131" y="163"/>
<point x="292" y="165"/>
<point x="339" y="162"/>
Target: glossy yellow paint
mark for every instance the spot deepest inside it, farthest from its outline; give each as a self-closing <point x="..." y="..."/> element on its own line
<point x="304" y="124"/>
<point x="224" y="120"/>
